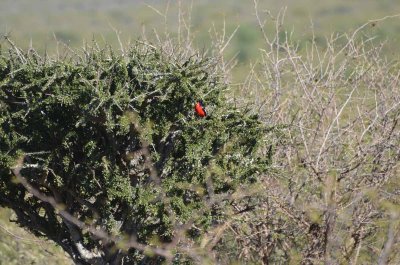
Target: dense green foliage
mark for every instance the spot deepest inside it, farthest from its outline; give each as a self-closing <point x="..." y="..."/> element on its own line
<point x="115" y="141"/>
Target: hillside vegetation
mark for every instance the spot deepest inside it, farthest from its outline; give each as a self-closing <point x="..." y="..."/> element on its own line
<point x="102" y="153"/>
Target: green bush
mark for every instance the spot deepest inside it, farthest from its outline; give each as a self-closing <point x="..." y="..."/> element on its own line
<point x="114" y="140"/>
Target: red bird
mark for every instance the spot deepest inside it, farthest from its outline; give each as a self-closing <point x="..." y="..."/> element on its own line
<point x="199" y="108"/>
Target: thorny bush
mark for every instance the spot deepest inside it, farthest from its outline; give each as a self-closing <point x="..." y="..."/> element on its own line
<point x="115" y="164"/>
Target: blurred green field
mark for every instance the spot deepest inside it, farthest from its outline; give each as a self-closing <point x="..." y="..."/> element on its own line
<point x="41" y="23"/>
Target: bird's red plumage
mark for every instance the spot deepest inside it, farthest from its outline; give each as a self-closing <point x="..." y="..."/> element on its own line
<point x="200" y="110"/>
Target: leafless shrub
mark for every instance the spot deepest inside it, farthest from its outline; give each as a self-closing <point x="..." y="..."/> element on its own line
<point x="335" y="195"/>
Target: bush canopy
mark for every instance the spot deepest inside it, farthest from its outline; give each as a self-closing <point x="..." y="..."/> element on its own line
<point x="103" y="153"/>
